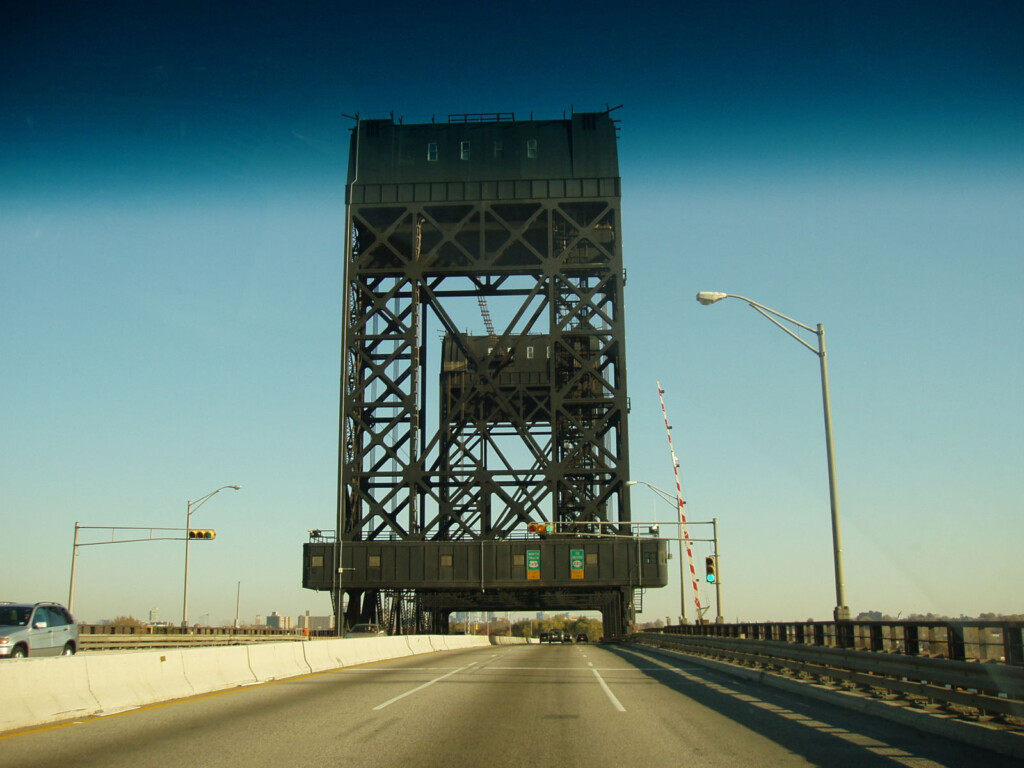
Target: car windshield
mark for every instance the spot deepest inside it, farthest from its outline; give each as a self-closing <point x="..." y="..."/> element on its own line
<point x="14" y="615"/>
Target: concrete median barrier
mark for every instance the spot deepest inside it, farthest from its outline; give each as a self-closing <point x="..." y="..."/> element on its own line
<point x="419" y="644"/>
<point x="214" y="669"/>
<point x="122" y="681"/>
<point x="105" y="682"/>
<point x="41" y="691"/>
<point x="324" y="655"/>
<point x="458" y="642"/>
<point x="272" y="661"/>
<point x="507" y="640"/>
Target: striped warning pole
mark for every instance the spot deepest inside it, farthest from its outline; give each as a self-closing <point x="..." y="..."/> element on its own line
<point x="679" y="498"/>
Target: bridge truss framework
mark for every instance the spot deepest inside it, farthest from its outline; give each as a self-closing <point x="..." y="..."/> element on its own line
<point x="528" y="422"/>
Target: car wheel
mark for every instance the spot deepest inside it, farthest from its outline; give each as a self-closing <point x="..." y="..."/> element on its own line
<point x="18" y="652"/>
<point x="69" y="649"/>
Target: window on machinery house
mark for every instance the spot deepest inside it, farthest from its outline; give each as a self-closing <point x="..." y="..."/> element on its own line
<point x="531" y="148"/>
<point x="464" y="150"/>
<point x="432" y="152"/>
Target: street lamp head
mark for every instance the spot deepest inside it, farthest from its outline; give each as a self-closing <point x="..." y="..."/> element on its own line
<point x="236" y="487"/>
<point x="710" y="297"/>
<point x="632" y="482"/>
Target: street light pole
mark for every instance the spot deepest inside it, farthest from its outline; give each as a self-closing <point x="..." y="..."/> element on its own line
<point x="666" y="496"/>
<point x="74" y="568"/>
<point x="191" y="507"/>
<point x="842" y="610"/>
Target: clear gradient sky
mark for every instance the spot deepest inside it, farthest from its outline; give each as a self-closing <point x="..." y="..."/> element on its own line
<point x="171" y="218"/>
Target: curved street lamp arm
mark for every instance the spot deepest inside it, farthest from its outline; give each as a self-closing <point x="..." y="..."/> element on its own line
<point x="669" y="497"/>
<point x="194" y="505"/>
<point x="771" y="314"/>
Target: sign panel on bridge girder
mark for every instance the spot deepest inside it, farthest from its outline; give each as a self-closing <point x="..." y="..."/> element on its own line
<point x="576" y="563"/>
<point x="533" y="564"/>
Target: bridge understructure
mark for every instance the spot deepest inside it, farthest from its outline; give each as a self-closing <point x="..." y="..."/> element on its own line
<point x="513" y="226"/>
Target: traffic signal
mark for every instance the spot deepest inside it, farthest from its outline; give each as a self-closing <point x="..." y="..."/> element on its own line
<point x="541" y="528"/>
<point x="709" y="569"/>
<point x="201" y="534"/>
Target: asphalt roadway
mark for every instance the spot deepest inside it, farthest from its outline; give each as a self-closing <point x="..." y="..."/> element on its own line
<point x="532" y="706"/>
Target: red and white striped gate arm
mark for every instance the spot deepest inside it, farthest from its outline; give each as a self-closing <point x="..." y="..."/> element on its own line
<point x="679" y="498"/>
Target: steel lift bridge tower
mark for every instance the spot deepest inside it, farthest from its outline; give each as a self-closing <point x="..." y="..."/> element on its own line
<point x="505" y="487"/>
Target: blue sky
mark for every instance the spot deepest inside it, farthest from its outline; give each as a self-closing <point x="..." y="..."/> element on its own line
<point x="171" y="216"/>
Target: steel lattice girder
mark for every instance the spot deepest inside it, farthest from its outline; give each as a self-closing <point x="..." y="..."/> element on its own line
<point x="457" y="480"/>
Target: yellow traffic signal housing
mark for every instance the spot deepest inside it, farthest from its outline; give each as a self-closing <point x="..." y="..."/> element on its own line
<point x="204" y="534"/>
<point x="709" y="569"/>
<point x="541" y="528"/>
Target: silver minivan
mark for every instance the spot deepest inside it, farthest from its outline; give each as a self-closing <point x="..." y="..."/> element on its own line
<point x="365" y="630"/>
<point x="36" y="629"/>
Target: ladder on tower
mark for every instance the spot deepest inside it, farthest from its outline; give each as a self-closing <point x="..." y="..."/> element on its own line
<point x="485" y="313"/>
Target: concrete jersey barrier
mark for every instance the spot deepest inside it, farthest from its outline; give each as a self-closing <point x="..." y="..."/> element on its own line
<point x="50" y="690"/>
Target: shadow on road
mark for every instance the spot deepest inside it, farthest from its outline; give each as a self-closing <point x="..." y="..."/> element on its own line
<point x="822" y="733"/>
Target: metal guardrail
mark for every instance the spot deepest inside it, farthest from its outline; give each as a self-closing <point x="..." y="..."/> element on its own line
<point x="962" y="640"/>
<point x="992" y="688"/>
<point x="102" y="637"/>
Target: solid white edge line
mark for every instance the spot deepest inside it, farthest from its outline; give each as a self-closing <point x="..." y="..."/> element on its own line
<point x="615" y="702"/>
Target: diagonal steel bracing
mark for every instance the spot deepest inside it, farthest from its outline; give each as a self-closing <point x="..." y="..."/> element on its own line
<point x="450" y="434"/>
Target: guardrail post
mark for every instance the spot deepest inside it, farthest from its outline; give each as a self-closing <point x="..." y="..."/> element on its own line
<point x="799" y="632"/>
<point x="1013" y="647"/>
<point x="956" y="647"/>
<point x="844" y="634"/>
<point x="819" y="634"/>
<point x="877" y="641"/>
<point x="911" y="641"/>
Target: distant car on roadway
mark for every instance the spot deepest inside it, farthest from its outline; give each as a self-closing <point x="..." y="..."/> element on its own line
<point x="36" y="629"/>
<point x="545" y="637"/>
<point x="566" y="637"/>
<point x="582" y="638"/>
<point x="366" y="630"/>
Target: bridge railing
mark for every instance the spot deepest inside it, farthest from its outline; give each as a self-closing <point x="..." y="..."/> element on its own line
<point x="952" y="663"/>
<point x="94" y="637"/>
<point x="960" y="640"/>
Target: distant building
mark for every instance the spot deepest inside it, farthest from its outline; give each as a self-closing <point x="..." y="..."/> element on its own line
<point x="315" y="623"/>
<point x="277" y="621"/>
